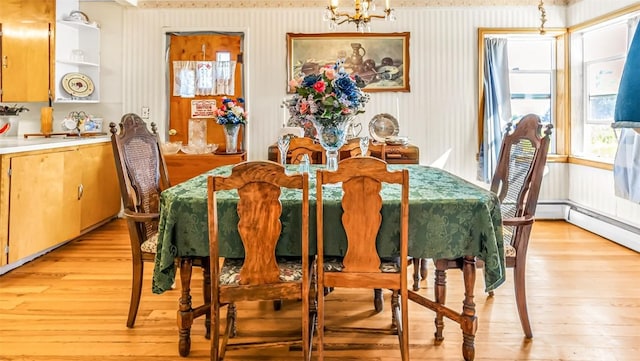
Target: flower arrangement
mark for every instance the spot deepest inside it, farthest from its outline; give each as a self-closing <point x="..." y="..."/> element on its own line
<point x="12" y="110"/>
<point x="325" y="96"/>
<point x="230" y="112"/>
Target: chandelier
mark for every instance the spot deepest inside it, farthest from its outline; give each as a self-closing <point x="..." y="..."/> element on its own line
<point x="361" y="17"/>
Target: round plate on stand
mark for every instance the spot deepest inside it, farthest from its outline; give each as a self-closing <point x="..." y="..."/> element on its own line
<point x="77" y="85"/>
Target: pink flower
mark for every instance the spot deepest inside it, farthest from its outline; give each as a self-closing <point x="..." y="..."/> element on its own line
<point x="330" y="73"/>
<point x="304" y="107"/>
<point x="320" y="86"/>
<point x="294" y="83"/>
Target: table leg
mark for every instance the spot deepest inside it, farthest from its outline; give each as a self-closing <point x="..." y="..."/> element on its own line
<point x="468" y="321"/>
<point x="185" y="314"/>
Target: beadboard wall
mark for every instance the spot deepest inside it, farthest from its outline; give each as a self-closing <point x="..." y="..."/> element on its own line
<point x="438" y="114"/>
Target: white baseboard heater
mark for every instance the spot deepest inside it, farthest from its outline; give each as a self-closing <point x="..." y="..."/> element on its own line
<point x="619" y="232"/>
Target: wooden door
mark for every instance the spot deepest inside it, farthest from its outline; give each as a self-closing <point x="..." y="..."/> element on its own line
<point x="199" y="47"/>
<point x="25" y="73"/>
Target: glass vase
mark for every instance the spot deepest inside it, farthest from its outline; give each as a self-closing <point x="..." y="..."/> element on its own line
<point x="332" y="135"/>
<point x="231" y="137"/>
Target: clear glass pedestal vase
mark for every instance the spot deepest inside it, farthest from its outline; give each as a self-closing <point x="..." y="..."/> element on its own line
<point x="231" y="137"/>
<point x="332" y="135"/>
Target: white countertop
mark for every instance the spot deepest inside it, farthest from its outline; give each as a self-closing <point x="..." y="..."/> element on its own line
<point x="17" y="144"/>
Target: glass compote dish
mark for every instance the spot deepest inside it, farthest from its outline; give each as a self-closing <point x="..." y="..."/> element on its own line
<point x="329" y="100"/>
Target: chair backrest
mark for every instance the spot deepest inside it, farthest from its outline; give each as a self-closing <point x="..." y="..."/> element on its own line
<point x="259" y="186"/>
<point x="141" y="167"/>
<point x="362" y="179"/>
<point x="298" y="146"/>
<point x="352" y="149"/>
<point x="520" y="168"/>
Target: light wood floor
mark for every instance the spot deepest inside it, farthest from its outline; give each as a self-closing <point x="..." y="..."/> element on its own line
<point x="71" y="305"/>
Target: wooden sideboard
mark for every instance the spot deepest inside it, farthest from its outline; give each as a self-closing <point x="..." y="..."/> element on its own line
<point x="394" y="154"/>
<point x="186" y="166"/>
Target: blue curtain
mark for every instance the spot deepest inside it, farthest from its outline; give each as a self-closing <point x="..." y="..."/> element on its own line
<point x="497" y="105"/>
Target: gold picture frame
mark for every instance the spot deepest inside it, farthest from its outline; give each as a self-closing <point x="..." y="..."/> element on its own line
<point x="380" y="59"/>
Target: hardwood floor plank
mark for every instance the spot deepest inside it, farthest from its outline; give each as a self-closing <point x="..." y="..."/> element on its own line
<point x="71" y="305"/>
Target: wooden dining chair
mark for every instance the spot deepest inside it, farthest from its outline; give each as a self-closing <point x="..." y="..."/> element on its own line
<point x="516" y="181"/>
<point x="142" y="174"/>
<point x="299" y="146"/>
<point x="361" y="266"/>
<point x="260" y="275"/>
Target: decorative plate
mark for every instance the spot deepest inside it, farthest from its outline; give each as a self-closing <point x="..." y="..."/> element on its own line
<point x="382" y="126"/>
<point x="77" y="85"/>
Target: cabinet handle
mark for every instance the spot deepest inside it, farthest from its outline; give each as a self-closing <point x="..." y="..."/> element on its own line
<point x="5" y="62"/>
<point x="80" y="191"/>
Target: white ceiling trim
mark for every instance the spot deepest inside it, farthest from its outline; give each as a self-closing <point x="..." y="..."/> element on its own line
<point x="321" y="3"/>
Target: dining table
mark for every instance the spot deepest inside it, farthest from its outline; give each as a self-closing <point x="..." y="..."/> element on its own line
<point x="449" y="218"/>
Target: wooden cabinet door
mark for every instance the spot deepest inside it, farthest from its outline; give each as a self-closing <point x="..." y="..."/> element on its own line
<point x="44" y="206"/>
<point x="25" y="72"/>
<point x="197" y="47"/>
<point x="100" y="189"/>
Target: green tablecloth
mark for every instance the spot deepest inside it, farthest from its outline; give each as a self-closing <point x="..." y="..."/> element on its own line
<point x="448" y="218"/>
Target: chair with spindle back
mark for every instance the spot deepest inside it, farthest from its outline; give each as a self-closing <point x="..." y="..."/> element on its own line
<point x="516" y="181"/>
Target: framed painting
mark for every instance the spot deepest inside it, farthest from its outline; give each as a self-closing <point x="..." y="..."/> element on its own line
<point x="380" y="59"/>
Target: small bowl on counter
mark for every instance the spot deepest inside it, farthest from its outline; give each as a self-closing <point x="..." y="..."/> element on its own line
<point x="171" y="147"/>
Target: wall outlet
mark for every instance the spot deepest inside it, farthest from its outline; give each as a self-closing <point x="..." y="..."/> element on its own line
<point x="144" y="113"/>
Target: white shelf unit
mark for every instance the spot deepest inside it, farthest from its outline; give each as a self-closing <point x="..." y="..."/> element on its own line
<point x="77" y="36"/>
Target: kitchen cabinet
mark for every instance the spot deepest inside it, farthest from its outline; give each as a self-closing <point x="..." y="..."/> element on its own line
<point x="25" y="72"/>
<point x="100" y="188"/>
<point x="50" y="196"/>
<point x="26" y="69"/>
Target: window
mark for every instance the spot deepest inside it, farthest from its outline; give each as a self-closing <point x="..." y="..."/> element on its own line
<point x="531" y="77"/>
<point x="534" y="64"/>
<point x="599" y="53"/>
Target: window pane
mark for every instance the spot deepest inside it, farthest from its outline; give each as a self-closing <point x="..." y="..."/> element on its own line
<point x="601" y="108"/>
<point x="606" y="42"/>
<point x="530" y="54"/>
<point x="600" y="141"/>
<point x="604" y="77"/>
<point x="522" y="107"/>
<point x="531" y="83"/>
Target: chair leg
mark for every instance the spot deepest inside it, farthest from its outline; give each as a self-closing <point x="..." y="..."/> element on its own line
<point x="136" y="292"/>
<point x="215" y="337"/>
<point x="404" y="325"/>
<point x="378" y="300"/>
<point x="440" y="293"/>
<point x="521" y="298"/>
<point x="229" y="329"/>
<point x="207" y="297"/>
<point x="320" y="327"/>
